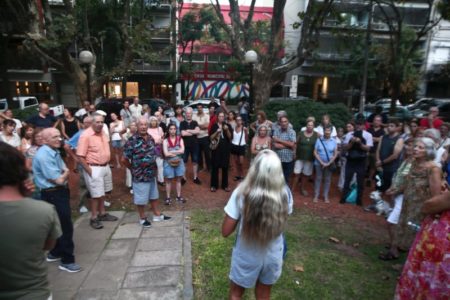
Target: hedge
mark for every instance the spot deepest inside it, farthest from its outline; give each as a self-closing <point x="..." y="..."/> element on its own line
<point x="299" y="110"/>
<point x="23" y="114"/>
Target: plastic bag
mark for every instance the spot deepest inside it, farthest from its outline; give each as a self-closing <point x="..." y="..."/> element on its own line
<point x="351" y="197"/>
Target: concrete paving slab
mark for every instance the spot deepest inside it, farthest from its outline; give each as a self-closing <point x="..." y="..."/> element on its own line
<point x="127" y="231"/>
<point x="141" y="277"/>
<point x="64" y="295"/>
<point x="119" y="249"/>
<point x="62" y="280"/>
<point x="130" y="217"/>
<point x="106" y="275"/>
<point x="168" y="293"/>
<point x="172" y="231"/>
<point x="169" y="243"/>
<point x="97" y="295"/>
<point x="157" y="258"/>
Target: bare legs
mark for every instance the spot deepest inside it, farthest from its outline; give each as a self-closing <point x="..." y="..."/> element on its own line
<point x="262" y="291"/>
<point x="169" y="186"/>
<point x="239" y="162"/>
<point x="97" y="207"/>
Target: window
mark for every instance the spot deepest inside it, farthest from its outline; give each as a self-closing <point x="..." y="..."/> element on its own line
<point x="30" y="102"/>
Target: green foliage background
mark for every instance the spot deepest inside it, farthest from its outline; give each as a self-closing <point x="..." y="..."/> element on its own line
<point x="298" y="111"/>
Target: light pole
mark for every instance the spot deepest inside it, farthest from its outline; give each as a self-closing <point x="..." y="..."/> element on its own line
<point x="251" y="57"/>
<point x="87" y="58"/>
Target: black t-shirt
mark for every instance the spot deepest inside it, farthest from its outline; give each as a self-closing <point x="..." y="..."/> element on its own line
<point x="163" y="126"/>
<point x="40" y="122"/>
<point x="189" y="141"/>
<point x="376" y="134"/>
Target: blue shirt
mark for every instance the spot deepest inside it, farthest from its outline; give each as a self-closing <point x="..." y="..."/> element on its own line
<point x="330" y="146"/>
<point x="73" y="141"/>
<point x="47" y="165"/>
<point x="285" y="154"/>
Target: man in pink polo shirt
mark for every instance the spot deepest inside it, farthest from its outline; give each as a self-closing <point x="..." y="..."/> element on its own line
<point x="94" y="153"/>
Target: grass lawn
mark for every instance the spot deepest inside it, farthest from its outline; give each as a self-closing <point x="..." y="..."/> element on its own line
<point x="315" y="267"/>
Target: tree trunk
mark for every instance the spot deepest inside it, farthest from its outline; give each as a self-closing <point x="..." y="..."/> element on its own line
<point x="262" y="84"/>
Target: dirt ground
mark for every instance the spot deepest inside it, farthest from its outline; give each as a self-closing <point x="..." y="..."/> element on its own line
<point x="199" y="196"/>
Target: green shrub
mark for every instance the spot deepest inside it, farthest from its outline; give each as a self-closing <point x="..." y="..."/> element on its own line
<point x="23" y="114"/>
<point x="298" y="111"/>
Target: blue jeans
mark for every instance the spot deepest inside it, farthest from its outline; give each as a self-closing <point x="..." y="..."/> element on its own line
<point x="288" y="168"/>
<point x="326" y="175"/>
<point x="64" y="244"/>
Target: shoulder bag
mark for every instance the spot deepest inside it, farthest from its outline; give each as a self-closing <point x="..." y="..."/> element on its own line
<point x="332" y="167"/>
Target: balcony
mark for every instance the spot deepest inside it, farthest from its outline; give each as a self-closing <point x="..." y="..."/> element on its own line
<point x="161" y="66"/>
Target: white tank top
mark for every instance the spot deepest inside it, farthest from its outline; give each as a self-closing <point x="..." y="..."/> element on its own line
<point x="237" y="137"/>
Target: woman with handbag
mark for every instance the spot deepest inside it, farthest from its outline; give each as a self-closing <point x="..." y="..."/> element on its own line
<point x="238" y="145"/>
<point x="173" y="149"/>
<point x="221" y="136"/>
<point x="158" y="135"/>
<point x="325" y="152"/>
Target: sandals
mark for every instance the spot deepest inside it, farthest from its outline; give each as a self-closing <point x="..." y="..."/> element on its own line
<point x="181" y="200"/>
<point x="387" y="256"/>
<point x="168" y="201"/>
<point x="213" y="189"/>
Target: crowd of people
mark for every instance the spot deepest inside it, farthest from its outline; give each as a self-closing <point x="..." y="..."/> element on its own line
<point x="403" y="161"/>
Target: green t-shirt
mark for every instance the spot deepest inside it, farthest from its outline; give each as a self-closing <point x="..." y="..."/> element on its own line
<point x="25" y="225"/>
<point x="305" y="147"/>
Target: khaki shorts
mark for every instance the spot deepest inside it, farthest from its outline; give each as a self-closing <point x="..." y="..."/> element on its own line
<point x="303" y="167"/>
<point x="100" y="182"/>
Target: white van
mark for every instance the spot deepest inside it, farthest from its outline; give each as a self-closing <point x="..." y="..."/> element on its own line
<point x="21" y="102"/>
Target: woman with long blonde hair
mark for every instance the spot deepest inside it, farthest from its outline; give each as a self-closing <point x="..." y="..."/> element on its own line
<point x="260" y="205"/>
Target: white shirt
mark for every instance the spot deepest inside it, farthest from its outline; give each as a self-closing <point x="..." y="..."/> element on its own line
<point x="366" y="135"/>
<point x="14" y="140"/>
<point x="115" y="134"/>
<point x="81" y="112"/>
<point x="438" y="159"/>
<point x="136" y="111"/>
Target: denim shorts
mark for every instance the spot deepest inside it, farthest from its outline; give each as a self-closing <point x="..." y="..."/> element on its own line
<point x="248" y="267"/>
<point x="143" y="192"/>
<point x="172" y="172"/>
<point x="116" y="144"/>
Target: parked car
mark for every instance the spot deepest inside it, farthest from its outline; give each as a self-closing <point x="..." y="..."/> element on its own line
<point x="421" y="108"/>
<point x="115" y="105"/>
<point x="386" y="102"/>
<point x="444" y="110"/>
<point x="204" y="102"/>
<point x="401" y="112"/>
<point x="29" y="103"/>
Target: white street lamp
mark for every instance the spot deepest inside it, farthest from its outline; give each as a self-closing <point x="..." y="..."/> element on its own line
<point x="87" y="58"/>
<point x="251" y="57"/>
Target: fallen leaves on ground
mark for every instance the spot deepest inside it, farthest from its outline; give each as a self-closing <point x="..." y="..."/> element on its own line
<point x="299" y="269"/>
<point x="334" y="240"/>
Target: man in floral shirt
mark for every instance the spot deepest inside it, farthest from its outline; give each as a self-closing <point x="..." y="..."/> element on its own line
<point x="140" y="158"/>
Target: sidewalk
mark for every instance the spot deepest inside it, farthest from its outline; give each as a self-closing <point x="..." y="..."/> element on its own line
<point x="125" y="261"/>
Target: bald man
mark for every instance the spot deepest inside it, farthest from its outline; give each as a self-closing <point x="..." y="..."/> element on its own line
<point x="43" y="119"/>
<point x="51" y="174"/>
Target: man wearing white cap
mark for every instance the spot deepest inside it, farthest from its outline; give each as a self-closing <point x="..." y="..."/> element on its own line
<point x="105" y="127"/>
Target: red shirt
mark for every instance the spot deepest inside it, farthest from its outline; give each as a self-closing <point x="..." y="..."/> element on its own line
<point x="436" y="123"/>
<point x="212" y="121"/>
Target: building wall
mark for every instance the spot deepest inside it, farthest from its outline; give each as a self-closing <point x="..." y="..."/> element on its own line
<point x="228" y="89"/>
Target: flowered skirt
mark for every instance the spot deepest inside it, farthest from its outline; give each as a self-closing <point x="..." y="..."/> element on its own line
<point x="426" y="274"/>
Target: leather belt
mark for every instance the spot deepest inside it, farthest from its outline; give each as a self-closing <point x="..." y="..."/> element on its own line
<point x="56" y="188"/>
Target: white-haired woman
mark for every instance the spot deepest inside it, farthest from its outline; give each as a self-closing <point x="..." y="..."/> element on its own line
<point x="441" y="152"/>
<point x="158" y="135"/>
<point x="259" y="207"/>
<point x="423" y="182"/>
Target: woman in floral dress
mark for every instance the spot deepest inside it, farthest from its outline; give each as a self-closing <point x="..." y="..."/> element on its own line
<point x="426" y="274"/>
<point x="422" y="183"/>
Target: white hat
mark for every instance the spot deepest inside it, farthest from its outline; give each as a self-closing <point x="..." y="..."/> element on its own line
<point x="101" y="113"/>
